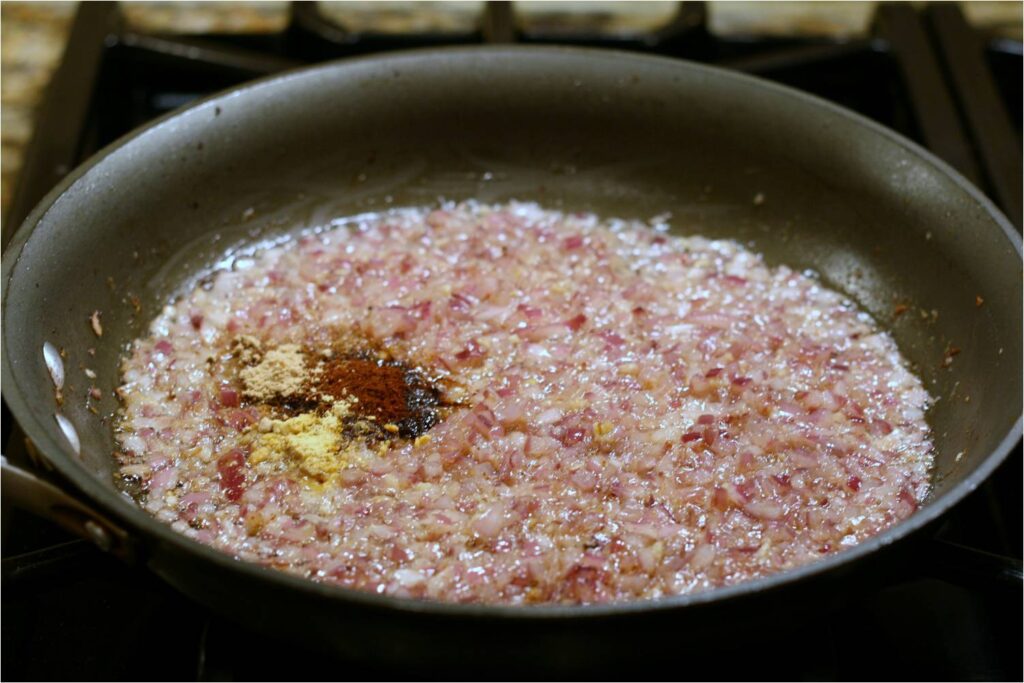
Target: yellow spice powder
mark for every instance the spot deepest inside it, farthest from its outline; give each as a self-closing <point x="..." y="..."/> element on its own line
<point x="313" y="442"/>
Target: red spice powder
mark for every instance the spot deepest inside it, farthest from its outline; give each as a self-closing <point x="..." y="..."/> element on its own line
<point x="381" y="389"/>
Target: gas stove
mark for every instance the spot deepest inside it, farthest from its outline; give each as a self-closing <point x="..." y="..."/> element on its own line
<point x="73" y="612"/>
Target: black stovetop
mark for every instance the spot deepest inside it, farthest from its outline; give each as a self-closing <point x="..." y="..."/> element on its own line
<point x="72" y="612"/>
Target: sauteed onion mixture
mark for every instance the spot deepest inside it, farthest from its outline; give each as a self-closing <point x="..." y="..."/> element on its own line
<point x="507" y="404"/>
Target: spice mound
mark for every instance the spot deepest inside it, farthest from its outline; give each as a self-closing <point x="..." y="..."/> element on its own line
<point x="313" y="442"/>
<point x="281" y="373"/>
<point x="325" y="411"/>
<point x="505" y="404"/>
<point x="395" y="396"/>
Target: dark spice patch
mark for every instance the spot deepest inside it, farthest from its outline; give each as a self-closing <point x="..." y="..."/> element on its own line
<point x="389" y="391"/>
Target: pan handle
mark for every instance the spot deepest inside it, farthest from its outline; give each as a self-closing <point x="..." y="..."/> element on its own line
<point x="30" y="492"/>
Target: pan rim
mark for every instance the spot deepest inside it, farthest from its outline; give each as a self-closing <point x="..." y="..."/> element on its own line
<point x="107" y="500"/>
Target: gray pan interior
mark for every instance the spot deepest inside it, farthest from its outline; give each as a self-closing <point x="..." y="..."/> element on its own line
<point x="877" y="217"/>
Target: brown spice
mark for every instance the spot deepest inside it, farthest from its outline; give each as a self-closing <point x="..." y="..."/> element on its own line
<point x="381" y="389"/>
<point x="247" y="349"/>
<point x="387" y="394"/>
<point x="281" y="372"/>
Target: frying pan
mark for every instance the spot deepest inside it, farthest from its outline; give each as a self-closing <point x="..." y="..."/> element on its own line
<point x="621" y="135"/>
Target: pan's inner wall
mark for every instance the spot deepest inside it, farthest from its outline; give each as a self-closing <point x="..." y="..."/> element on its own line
<point x="619" y="136"/>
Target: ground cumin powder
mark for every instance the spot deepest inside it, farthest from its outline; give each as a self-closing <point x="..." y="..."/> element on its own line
<point x="281" y="372"/>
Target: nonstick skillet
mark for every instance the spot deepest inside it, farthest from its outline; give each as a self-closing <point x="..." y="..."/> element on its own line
<point x="805" y="182"/>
